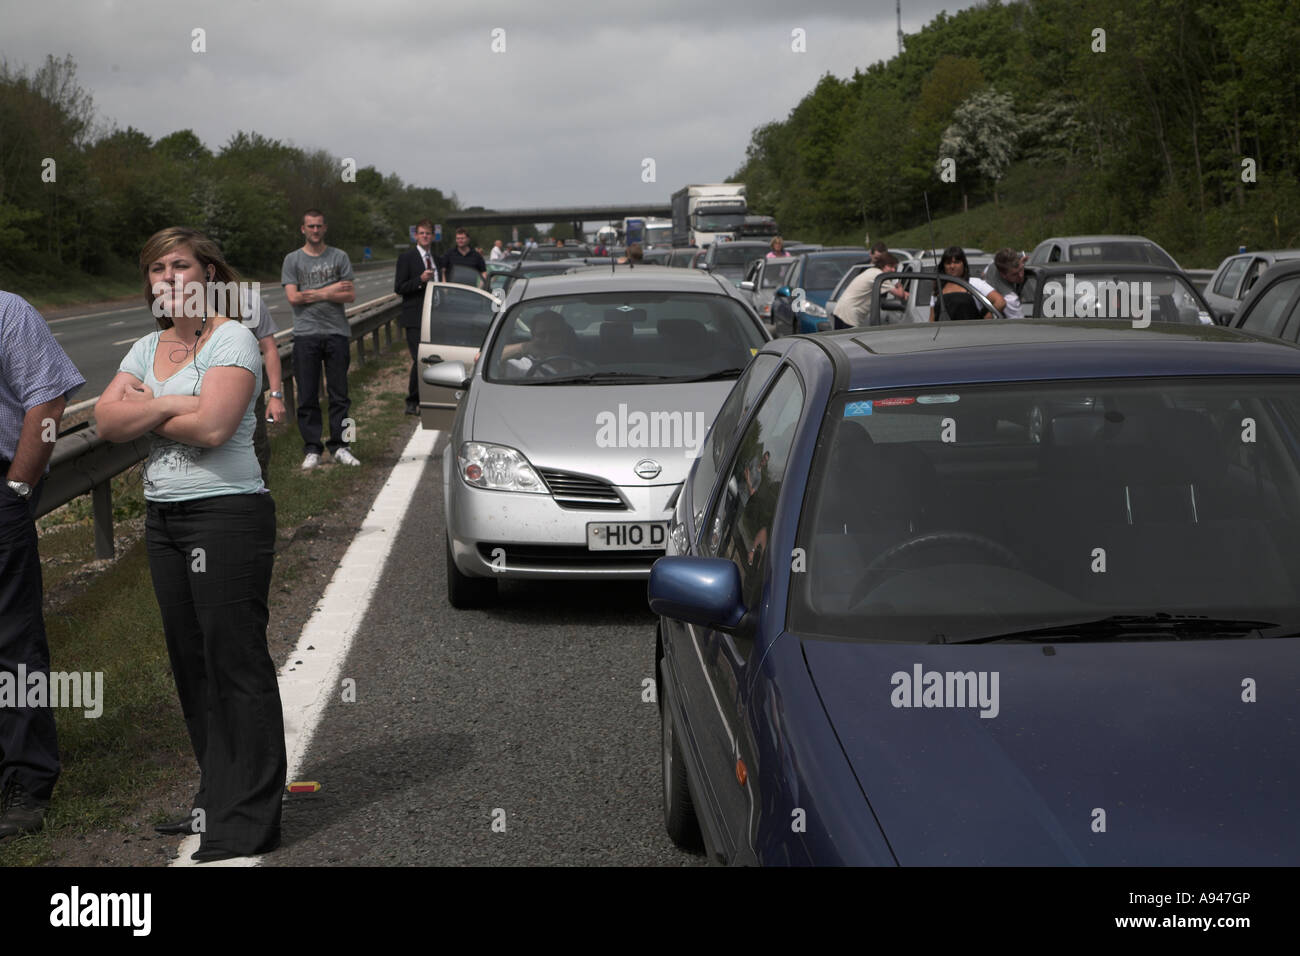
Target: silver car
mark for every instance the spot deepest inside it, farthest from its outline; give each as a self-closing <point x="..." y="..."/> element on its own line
<point x="580" y="419"/>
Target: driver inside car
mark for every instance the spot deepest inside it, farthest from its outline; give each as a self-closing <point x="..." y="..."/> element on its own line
<point x="552" y="338"/>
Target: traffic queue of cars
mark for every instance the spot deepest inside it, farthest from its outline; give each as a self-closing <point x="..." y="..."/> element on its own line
<point x="926" y="594"/>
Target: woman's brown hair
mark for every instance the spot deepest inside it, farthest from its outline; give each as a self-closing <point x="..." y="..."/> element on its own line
<point x="205" y="250"/>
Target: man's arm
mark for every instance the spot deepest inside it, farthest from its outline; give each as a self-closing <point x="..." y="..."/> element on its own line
<point x="274" y="377"/>
<point x="342" y="292"/>
<point x="406" y="282"/>
<point x="33" y="452"/>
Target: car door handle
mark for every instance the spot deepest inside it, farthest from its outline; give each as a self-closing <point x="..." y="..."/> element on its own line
<point x="431" y="359"/>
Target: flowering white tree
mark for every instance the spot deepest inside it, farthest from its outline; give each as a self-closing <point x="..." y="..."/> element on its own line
<point x="982" y="136"/>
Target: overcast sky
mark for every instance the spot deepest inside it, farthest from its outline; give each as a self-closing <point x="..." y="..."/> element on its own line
<point x="581" y="95"/>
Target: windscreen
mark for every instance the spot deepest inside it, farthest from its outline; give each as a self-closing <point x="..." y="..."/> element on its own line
<point x="1136" y="297"/>
<point x="945" y="514"/>
<point x="623" y="337"/>
<point x="717" y="222"/>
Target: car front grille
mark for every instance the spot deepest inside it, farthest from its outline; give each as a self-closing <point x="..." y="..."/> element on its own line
<point x="581" y="492"/>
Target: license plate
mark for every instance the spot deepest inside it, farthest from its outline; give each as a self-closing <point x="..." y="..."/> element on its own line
<point x="627" y="535"/>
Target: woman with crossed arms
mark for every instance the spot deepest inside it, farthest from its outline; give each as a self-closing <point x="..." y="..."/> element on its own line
<point x="210" y="533"/>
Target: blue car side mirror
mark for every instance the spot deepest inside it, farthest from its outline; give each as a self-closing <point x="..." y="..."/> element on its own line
<point x="783" y="292"/>
<point x="704" y="591"/>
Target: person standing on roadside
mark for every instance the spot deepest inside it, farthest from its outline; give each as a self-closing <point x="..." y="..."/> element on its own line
<point x="498" y="251"/>
<point x="210" y="537"/>
<point x="36" y="380"/>
<point x="416" y="268"/>
<point x="1006" y="274"/>
<point x="317" y="281"/>
<point x="461" y="258"/>
<point x="257" y="318"/>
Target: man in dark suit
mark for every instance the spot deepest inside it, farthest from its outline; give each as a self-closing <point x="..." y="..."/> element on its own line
<point x="415" y="269"/>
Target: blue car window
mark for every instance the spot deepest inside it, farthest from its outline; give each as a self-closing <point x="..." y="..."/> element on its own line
<point x="741" y="520"/>
<point x="733" y="411"/>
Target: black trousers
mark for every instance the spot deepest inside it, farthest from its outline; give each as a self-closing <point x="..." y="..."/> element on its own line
<point x="310" y="352"/>
<point x="211" y="560"/>
<point x="413" y="346"/>
<point x="29" y="749"/>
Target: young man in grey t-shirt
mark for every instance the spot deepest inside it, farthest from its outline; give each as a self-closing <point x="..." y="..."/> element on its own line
<point x="317" y="281"/>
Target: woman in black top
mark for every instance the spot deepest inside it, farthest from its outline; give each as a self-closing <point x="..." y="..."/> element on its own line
<point x="958" y="303"/>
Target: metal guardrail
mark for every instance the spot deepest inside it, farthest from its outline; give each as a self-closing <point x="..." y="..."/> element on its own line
<point x="83" y="463"/>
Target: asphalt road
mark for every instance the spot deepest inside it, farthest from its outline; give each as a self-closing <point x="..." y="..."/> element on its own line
<point x="533" y="707"/>
<point x="97" y="340"/>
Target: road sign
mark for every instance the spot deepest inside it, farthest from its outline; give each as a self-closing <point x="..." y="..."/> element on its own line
<point x="412" y="228"/>
<point x="437" y="232"/>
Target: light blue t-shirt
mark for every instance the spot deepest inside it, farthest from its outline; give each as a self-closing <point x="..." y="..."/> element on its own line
<point x="179" y="472"/>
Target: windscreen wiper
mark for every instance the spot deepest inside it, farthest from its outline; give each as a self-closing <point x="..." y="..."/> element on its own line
<point x="1120" y="626"/>
<point x="597" y="377"/>
<point x="714" y="376"/>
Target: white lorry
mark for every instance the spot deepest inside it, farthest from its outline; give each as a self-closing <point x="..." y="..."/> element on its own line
<point x="707" y="212"/>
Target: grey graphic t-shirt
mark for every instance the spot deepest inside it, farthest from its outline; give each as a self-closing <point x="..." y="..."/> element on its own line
<point x="316" y="272"/>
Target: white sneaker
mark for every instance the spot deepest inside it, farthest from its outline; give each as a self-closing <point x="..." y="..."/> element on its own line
<point x="344" y="457"/>
<point x="311" y="461"/>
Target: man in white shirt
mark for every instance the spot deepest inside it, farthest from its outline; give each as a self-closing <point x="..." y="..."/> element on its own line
<point x="497" y="251"/>
<point x="854" y="305"/>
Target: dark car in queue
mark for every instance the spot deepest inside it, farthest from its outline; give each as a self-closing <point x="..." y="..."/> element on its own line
<point x="800" y="304"/>
<point x="1273" y="306"/>
<point x="1233" y="280"/>
<point x="896" y="627"/>
<point x="682" y="256"/>
<point x="1136" y="293"/>
<point x="730" y="259"/>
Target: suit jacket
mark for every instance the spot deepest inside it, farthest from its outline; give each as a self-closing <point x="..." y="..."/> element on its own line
<point x="407" y="284"/>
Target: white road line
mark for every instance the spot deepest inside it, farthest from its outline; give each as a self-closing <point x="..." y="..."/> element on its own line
<point x="113" y="325"/>
<point x="306" y="688"/>
<point x="127" y="341"/>
<point x="91" y="315"/>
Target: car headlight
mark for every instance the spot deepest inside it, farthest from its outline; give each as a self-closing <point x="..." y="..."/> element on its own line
<point x="497" y="468"/>
<point x="813" y="309"/>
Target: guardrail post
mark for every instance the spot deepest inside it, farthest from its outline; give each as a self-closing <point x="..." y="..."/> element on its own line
<point x="361" y="350"/>
<point x="102" y="506"/>
<point x="388" y="332"/>
<point x="374" y="338"/>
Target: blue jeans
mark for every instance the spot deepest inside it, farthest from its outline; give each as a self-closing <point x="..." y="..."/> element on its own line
<point x="310" y="352"/>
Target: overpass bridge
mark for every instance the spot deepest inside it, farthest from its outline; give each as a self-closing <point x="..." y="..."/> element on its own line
<point x="576" y="215"/>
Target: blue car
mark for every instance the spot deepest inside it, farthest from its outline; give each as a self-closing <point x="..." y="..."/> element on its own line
<point x="800" y="304"/>
<point x="990" y="593"/>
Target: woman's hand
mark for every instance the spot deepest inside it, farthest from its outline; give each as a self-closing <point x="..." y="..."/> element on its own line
<point x="137" y="392"/>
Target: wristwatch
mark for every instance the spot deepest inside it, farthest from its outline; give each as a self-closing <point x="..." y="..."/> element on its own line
<point x="279" y="395"/>
<point x="21" y="488"/>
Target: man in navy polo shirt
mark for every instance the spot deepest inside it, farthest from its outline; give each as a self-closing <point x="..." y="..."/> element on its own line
<point x="36" y="378"/>
<point x="462" y="258"/>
